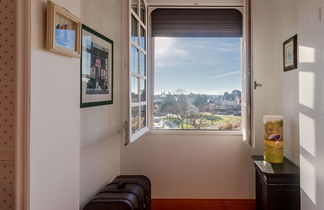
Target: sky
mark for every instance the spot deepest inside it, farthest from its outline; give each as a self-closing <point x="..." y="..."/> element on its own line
<point x="197" y="65"/>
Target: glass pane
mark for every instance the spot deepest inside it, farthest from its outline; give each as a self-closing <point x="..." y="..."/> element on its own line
<point x="143" y="117"/>
<point x="135" y="6"/>
<point x="143" y="89"/>
<point x="143" y="12"/>
<point x="134" y="37"/>
<point x="201" y="87"/>
<point x="142" y="64"/>
<point x="134" y="60"/>
<point x="135" y="119"/>
<point x="143" y="39"/>
<point x="134" y="89"/>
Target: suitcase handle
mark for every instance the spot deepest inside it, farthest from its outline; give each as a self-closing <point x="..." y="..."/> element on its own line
<point x="121" y="185"/>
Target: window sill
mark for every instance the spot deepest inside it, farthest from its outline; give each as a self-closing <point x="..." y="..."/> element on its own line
<point x="194" y="132"/>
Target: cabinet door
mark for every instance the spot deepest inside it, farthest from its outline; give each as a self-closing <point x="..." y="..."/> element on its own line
<point x="284" y="197"/>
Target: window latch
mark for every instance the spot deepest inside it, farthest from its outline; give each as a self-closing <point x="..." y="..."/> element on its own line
<point x="257" y="85"/>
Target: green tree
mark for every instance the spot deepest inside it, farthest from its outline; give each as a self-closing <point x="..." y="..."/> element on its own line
<point x="168" y="105"/>
<point x="201" y="102"/>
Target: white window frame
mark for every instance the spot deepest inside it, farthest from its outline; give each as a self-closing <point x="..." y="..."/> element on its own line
<point x="246" y="65"/>
<point x="152" y="129"/>
<point x="131" y="137"/>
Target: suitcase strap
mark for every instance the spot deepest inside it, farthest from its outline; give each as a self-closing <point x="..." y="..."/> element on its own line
<point x="139" y="200"/>
<point x="129" y="202"/>
<point x="121" y="185"/>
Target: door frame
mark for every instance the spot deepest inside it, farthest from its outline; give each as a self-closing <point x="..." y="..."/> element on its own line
<point x="22" y="112"/>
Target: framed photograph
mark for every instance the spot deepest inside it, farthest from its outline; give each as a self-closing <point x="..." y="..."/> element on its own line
<point x="63" y="31"/>
<point x="290" y="54"/>
<point x="96" y="68"/>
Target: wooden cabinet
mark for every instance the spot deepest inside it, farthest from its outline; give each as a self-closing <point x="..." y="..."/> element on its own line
<point x="277" y="185"/>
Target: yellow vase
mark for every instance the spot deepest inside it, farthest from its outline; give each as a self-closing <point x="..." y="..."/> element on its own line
<point x="273" y="139"/>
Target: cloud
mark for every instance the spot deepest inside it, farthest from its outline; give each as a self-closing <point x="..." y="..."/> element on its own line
<point x="168" y="51"/>
<point x="226" y="74"/>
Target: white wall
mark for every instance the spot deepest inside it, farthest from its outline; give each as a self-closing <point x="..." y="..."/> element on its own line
<point x="207" y="166"/>
<point x="55" y="119"/>
<point x="286" y="26"/>
<point x="100" y="126"/>
<point x="311" y="103"/>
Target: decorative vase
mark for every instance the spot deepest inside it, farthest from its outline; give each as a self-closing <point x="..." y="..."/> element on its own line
<point x="273" y="138"/>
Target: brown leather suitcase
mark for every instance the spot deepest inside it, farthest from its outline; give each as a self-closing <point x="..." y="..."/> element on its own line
<point x="126" y="192"/>
<point x="140" y="180"/>
<point x="113" y="201"/>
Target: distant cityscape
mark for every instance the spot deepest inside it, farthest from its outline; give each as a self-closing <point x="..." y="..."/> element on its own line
<point x="181" y="110"/>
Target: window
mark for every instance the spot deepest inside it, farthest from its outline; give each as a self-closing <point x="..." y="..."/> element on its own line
<point x="138" y="68"/>
<point x="201" y="66"/>
<point x="197" y="68"/>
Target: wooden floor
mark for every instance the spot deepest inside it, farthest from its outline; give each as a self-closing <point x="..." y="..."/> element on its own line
<point x="203" y="204"/>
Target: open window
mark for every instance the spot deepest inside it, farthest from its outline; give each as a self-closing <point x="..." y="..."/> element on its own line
<point x="197" y="69"/>
<point x="137" y="69"/>
<point x="203" y="82"/>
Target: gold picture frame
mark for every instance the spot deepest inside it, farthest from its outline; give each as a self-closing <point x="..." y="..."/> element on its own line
<point x="63" y="31"/>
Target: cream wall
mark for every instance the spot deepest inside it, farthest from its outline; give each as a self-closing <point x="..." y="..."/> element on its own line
<point x="311" y="102"/>
<point x="101" y="126"/>
<point x="54" y="119"/>
<point x="286" y="26"/>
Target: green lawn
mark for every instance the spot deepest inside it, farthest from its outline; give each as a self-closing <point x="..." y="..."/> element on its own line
<point x="210" y="120"/>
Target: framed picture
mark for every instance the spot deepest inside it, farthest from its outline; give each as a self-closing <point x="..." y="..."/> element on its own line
<point x="63" y="31"/>
<point x="96" y="68"/>
<point x="290" y="54"/>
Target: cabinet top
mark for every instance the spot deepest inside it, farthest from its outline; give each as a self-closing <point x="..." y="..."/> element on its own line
<point x="287" y="168"/>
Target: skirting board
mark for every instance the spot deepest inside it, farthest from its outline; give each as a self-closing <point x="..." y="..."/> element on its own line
<point x="203" y="204"/>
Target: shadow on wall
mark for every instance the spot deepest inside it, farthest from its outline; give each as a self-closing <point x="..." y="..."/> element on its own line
<point x="311" y="119"/>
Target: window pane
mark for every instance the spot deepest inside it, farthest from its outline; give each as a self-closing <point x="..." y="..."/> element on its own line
<point x="134" y="30"/>
<point x="135" y="119"/>
<point x="143" y="12"/>
<point x="142" y="64"/>
<point x="135" y="6"/>
<point x="134" y="89"/>
<point x="143" y="116"/>
<point x="197" y="83"/>
<point x="143" y="89"/>
<point x="143" y="38"/>
<point x="134" y="60"/>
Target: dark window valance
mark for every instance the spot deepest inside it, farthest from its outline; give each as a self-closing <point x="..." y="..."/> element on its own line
<point x="197" y="23"/>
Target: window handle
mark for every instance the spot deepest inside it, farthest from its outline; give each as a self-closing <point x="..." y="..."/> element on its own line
<point x="257" y="85"/>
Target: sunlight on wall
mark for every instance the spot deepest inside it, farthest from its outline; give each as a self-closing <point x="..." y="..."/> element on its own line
<point x="306" y="54"/>
<point x="308" y="178"/>
<point x="307" y="134"/>
<point x="306" y="89"/>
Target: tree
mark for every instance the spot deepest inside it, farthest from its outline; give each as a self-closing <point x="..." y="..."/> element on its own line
<point x="168" y="105"/>
<point x="198" y="120"/>
<point x="201" y="102"/>
<point x="182" y="107"/>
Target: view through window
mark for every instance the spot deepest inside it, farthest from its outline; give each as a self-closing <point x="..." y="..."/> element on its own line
<point x="197" y="83"/>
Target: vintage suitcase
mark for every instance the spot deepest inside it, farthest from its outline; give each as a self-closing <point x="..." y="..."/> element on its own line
<point x="113" y="201"/>
<point x="140" y="180"/>
<point x="126" y="192"/>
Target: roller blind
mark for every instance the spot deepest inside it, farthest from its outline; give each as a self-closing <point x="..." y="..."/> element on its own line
<point x="197" y="23"/>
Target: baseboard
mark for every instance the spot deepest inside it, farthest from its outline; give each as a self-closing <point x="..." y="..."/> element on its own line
<point x="203" y="204"/>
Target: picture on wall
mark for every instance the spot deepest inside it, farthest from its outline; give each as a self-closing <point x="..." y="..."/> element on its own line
<point x="63" y="31"/>
<point x="96" y="69"/>
<point x="290" y="54"/>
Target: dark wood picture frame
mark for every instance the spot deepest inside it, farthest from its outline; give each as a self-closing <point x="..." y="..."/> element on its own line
<point x="291" y="44"/>
<point x="109" y="71"/>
